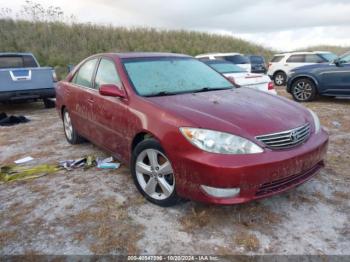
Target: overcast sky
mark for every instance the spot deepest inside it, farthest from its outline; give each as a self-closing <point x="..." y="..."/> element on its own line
<point x="282" y="25"/>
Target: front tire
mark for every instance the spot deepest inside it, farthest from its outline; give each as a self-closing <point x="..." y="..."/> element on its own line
<point x="153" y="174"/>
<point x="304" y="90"/>
<point x="280" y="78"/>
<point x="71" y="134"/>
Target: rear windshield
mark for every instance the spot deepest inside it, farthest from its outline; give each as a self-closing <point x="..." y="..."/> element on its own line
<point x="17" y="61"/>
<point x="169" y="75"/>
<point x="225" y="68"/>
<point x="277" y="58"/>
<point x="236" y="59"/>
<point x="257" y="59"/>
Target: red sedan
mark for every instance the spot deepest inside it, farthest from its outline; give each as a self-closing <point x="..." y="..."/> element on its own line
<point x="186" y="131"/>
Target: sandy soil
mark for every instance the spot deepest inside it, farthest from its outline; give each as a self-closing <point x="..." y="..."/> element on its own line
<point x="100" y="212"/>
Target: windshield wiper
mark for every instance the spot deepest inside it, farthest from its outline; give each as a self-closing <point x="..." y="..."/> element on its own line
<point x="161" y="93"/>
<point x="206" y="89"/>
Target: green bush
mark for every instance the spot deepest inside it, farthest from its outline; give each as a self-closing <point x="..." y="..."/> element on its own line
<point x="58" y="44"/>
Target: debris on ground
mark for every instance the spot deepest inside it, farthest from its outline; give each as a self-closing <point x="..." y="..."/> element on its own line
<point x="336" y="124"/>
<point x="107" y="163"/>
<point x="24" y="160"/>
<point x="6" y="120"/>
<point x="16" y="173"/>
<point x="88" y="162"/>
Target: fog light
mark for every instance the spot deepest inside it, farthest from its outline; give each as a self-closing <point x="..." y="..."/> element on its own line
<point x="221" y="192"/>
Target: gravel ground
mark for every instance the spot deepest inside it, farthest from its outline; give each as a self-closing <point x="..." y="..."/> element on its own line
<point x="100" y="212"/>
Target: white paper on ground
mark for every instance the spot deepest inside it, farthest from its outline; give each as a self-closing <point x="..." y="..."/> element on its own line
<point x="24" y="160"/>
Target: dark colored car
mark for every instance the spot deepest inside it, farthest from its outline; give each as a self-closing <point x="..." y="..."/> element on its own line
<point x="258" y="64"/>
<point x="331" y="79"/>
<point x="186" y="131"/>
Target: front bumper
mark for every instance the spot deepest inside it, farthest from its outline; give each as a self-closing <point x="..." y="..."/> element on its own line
<point x="257" y="175"/>
<point x="19" y="95"/>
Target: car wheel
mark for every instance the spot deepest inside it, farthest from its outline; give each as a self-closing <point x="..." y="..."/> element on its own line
<point x="49" y="103"/>
<point x="153" y="173"/>
<point x="280" y="78"/>
<point x="303" y="90"/>
<point x="71" y="134"/>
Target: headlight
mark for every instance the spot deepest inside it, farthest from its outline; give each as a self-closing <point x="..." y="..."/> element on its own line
<point x="316" y="121"/>
<point x="219" y="142"/>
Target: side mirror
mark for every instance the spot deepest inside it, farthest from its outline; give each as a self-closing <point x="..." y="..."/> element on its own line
<point x="111" y="90"/>
<point x="337" y="62"/>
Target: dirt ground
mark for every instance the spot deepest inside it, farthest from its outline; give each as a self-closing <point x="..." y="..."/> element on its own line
<point x="100" y="212"/>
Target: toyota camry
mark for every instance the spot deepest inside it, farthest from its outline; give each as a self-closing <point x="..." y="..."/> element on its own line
<point x="186" y="131"/>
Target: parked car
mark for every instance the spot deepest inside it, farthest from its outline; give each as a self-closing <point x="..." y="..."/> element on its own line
<point x="333" y="79"/>
<point x="240" y="77"/>
<point x="235" y="58"/>
<point x="258" y="64"/>
<point x="186" y="131"/>
<point x="22" y="78"/>
<point x="281" y="64"/>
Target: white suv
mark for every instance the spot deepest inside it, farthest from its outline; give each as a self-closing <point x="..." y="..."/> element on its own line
<point x="281" y="64"/>
<point x="235" y="58"/>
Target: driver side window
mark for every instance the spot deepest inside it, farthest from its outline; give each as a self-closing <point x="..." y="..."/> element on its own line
<point x="107" y="74"/>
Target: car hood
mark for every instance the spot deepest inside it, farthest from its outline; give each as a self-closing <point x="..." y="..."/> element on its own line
<point x="242" y="111"/>
<point x="311" y="67"/>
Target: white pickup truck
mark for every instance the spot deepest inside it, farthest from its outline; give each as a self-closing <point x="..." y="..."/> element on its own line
<point x="22" y="78"/>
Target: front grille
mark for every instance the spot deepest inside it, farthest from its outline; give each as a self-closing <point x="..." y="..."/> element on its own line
<point x="286" y="182"/>
<point x="286" y="139"/>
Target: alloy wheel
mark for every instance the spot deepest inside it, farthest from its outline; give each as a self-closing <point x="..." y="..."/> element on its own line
<point x="155" y="174"/>
<point x="302" y="90"/>
<point x="279" y="79"/>
<point x="68" y="128"/>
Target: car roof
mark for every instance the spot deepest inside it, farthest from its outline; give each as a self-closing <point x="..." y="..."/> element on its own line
<point x="216" y="54"/>
<point x="14" y="53"/>
<point x="214" y="61"/>
<point x="303" y="53"/>
<point x="142" y="54"/>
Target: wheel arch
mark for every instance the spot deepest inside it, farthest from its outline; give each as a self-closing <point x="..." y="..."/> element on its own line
<point x="63" y="107"/>
<point x="298" y="77"/>
<point x="139" y="137"/>
<point x="278" y="71"/>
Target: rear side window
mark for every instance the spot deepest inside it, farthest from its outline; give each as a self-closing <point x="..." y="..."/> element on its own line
<point x="17" y="61"/>
<point x="296" y="59"/>
<point x="107" y="74"/>
<point x="277" y="58"/>
<point x="314" y="59"/>
<point x="236" y="59"/>
<point x="84" y="76"/>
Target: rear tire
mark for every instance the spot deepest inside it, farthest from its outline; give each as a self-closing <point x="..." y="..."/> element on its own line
<point x="71" y="134"/>
<point x="48" y="103"/>
<point x="153" y="174"/>
<point x="280" y="78"/>
<point x="304" y="90"/>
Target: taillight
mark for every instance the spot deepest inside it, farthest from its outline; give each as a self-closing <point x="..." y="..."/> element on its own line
<point x="233" y="81"/>
<point x="270" y="64"/>
<point x="54" y="76"/>
<point x="270" y="86"/>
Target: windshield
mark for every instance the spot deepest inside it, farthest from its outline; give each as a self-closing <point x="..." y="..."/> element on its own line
<point x="328" y="56"/>
<point x="172" y="75"/>
<point x="225" y="68"/>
